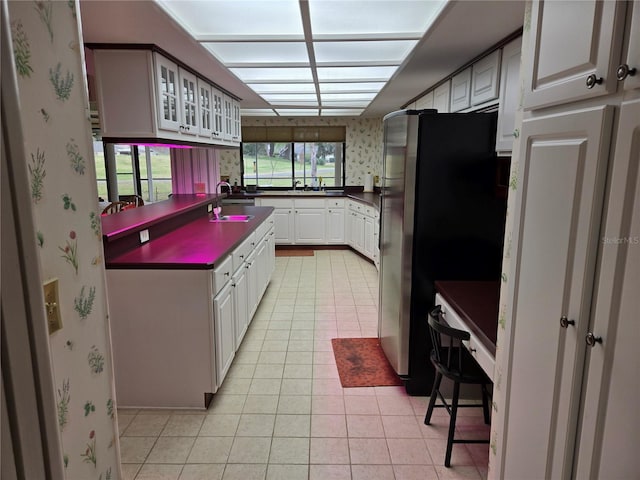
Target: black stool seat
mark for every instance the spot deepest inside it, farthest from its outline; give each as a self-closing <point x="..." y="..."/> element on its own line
<point x="452" y="360"/>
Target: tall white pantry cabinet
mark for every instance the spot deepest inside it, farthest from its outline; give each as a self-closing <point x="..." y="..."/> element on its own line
<point x="573" y="381"/>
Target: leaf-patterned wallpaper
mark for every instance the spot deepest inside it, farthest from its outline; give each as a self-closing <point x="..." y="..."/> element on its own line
<point x="502" y="353"/>
<point x="48" y="55"/>
<point x="363" y="145"/>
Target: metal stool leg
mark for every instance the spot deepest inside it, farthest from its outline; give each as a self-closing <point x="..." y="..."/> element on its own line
<point x="432" y="400"/>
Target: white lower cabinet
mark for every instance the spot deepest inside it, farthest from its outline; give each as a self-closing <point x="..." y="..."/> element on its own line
<point x="240" y="304"/>
<point x="560" y="205"/>
<point x="174" y="339"/>
<point x="224" y="331"/>
<point x="309" y="225"/>
<point x="322" y="221"/>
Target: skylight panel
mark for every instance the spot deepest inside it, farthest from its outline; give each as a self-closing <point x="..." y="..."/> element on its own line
<point x="327" y="97"/>
<point x="259" y="74"/>
<point x="380" y="74"/>
<point x="341" y="112"/>
<point x="282" y="87"/>
<point x="237" y="19"/>
<point x="351" y="87"/>
<point x="378" y="52"/>
<point x="347" y="103"/>
<point x="259" y="52"/>
<point x="375" y="19"/>
<point x="290" y="97"/>
<point x="297" y="112"/>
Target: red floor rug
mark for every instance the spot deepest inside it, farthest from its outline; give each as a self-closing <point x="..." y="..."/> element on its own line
<point x="293" y="252"/>
<point x="362" y="363"/>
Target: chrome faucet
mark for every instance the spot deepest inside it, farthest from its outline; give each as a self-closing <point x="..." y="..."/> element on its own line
<point x="295" y="184"/>
<point x="217" y="209"/>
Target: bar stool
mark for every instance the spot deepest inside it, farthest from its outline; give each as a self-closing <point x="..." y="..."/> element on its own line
<point x="451" y="360"/>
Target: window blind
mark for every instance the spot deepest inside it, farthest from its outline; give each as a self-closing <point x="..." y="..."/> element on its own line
<point x="293" y="134"/>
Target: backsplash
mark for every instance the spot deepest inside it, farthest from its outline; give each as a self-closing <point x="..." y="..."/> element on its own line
<point x="57" y="136"/>
<point x="363" y="145"/>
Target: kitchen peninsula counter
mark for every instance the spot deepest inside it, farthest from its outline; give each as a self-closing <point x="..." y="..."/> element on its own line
<point x="370" y="198"/>
<point x="180" y="234"/>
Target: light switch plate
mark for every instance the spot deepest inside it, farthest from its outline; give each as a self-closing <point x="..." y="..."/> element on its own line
<point x="52" y="305"/>
<point x="144" y="236"/>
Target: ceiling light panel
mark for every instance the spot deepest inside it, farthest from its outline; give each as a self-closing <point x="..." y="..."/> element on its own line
<point x="237" y="20"/>
<point x="351" y="87"/>
<point x="270" y="53"/>
<point x="260" y="75"/>
<point x="290" y="97"/>
<point x="261" y="88"/>
<point x="367" y="19"/>
<point x="347" y="103"/>
<point x="379" y="74"/>
<point x="332" y="97"/>
<point x="297" y="112"/>
<point x="376" y="52"/>
<point x="341" y="112"/>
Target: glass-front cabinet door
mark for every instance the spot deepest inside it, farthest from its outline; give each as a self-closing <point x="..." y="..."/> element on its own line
<point x="237" y="127"/>
<point x="189" y="104"/>
<point x="168" y="94"/>
<point x="228" y="118"/>
<point x="218" y="113"/>
<point x="205" y="103"/>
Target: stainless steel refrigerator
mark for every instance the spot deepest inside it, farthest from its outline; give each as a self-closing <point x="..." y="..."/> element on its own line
<point x="443" y="208"/>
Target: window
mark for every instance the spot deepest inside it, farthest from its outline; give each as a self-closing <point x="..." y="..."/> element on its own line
<point x="282" y="164"/>
<point x="287" y="156"/>
<point x="138" y="170"/>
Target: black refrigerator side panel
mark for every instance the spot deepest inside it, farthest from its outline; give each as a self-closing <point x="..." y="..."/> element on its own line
<point x="459" y="220"/>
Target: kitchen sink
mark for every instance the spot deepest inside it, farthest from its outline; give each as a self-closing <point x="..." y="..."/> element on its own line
<point x="231" y="218"/>
<point x="293" y="192"/>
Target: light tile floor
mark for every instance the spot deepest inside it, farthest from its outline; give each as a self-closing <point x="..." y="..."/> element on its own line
<point x="282" y="414"/>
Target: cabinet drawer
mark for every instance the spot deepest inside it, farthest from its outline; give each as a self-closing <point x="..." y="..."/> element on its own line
<point x="309" y="202"/>
<point x="221" y="274"/>
<point x="241" y="252"/>
<point x="277" y="202"/>
<point x="356" y="207"/>
<point x="335" y="203"/>
<point x="369" y="211"/>
<point x="261" y="230"/>
<point x="484" y="358"/>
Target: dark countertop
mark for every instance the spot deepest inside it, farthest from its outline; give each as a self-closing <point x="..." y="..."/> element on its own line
<point x="123" y="223"/>
<point x="371" y="198"/>
<point x="199" y="244"/>
<point x="477" y="303"/>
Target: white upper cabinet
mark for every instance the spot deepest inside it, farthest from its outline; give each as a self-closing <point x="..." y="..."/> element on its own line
<point x="461" y="91"/>
<point x="441" y="97"/>
<point x="629" y="69"/>
<point x="189" y="103"/>
<point x="205" y="107"/>
<point x="218" y="114"/>
<point x="425" y="101"/>
<point x="576" y="50"/>
<point x="509" y="95"/>
<point x="484" y="82"/>
<point x="168" y="88"/>
<point x="143" y="95"/>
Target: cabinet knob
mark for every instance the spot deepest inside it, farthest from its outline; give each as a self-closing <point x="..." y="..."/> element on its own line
<point x="591" y="339"/>
<point x="565" y="322"/>
<point x="623" y="71"/>
<point x="593" y="80"/>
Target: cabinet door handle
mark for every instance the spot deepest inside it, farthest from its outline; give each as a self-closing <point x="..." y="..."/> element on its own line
<point x="593" y="80"/>
<point x="623" y="71"/>
<point x="226" y="274"/>
<point x="565" y="322"/>
<point x="591" y="339"/>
